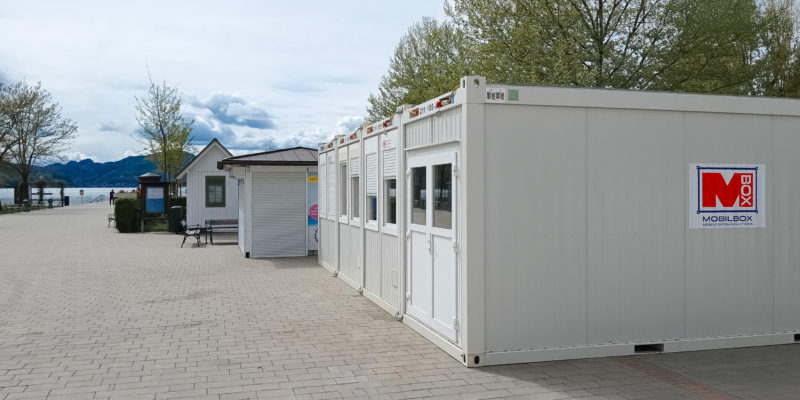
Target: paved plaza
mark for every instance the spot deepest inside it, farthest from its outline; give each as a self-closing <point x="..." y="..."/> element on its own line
<point x="89" y="313"/>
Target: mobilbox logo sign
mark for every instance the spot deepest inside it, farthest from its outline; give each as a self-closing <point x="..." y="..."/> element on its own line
<point x="727" y="196"/>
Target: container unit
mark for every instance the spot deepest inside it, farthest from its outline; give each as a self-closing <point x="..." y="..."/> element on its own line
<point x="382" y="258"/>
<point x="349" y="195"/>
<point x="328" y="215"/>
<point x="553" y="223"/>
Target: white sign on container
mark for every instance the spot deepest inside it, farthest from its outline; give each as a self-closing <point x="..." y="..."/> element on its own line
<point x="727" y="196"/>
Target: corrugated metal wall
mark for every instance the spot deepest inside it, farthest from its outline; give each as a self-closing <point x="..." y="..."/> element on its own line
<point x="372" y="262"/>
<point x="443" y="128"/>
<point x="196" y="210"/>
<point x="350" y="248"/>
<point x="329" y="249"/>
<point x="390" y="269"/>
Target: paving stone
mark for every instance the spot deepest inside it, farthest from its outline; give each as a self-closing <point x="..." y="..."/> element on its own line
<point x="90" y="313"/>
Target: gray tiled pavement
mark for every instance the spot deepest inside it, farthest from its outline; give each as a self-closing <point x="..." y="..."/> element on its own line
<point x="88" y="313"/>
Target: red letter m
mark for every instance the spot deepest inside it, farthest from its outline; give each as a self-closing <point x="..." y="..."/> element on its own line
<point x="739" y="188"/>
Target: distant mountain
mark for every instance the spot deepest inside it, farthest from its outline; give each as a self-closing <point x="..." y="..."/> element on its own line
<point x="87" y="173"/>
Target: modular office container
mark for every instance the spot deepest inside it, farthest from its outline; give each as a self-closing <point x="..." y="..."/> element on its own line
<point x="537" y="223"/>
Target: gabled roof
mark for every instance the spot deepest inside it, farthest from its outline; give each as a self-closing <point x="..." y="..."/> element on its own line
<point x="214" y="142"/>
<point x="292" y="156"/>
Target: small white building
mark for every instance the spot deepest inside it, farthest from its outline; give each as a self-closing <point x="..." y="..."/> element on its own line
<point x="277" y="201"/>
<point x="210" y="193"/>
<point x="513" y="224"/>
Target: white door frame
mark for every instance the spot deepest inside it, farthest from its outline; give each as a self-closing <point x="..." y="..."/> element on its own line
<point x="427" y="236"/>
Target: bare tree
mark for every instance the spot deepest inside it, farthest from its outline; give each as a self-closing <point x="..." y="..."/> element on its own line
<point x="39" y="132"/>
<point x="163" y="130"/>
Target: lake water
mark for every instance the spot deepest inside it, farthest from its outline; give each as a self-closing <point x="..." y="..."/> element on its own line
<point x="89" y="194"/>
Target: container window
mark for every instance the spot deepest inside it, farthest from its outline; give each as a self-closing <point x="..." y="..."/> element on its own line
<point x="354" y="186"/>
<point x="343" y="190"/>
<point x="390" y="209"/>
<point x="419" y="196"/>
<point x="372" y="208"/>
<point x="443" y="196"/>
<point x="215" y="191"/>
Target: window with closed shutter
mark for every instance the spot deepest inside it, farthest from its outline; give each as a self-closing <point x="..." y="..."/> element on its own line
<point x="323" y="200"/>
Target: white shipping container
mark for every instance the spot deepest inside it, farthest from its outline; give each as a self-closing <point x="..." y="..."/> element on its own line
<point x="539" y="223"/>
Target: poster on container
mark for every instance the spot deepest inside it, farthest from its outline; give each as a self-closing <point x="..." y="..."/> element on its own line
<point x="313" y="211"/>
<point x="154" y="199"/>
<point x="727" y="196"/>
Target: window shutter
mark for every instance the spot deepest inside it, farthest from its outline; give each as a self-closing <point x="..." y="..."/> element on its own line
<point x="355" y="166"/>
<point x="372" y="174"/>
<point x="390" y="163"/>
<point x="331" y="181"/>
<point x="321" y="188"/>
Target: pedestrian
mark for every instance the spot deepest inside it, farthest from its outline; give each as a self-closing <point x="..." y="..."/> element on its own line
<point x="111" y="197"/>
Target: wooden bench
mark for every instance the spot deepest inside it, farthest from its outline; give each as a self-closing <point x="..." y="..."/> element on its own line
<point x="221" y="226"/>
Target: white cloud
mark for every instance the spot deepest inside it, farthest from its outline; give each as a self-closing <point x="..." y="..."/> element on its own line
<point x="78" y="156"/>
<point x="348" y="124"/>
<point x="276" y="83"/>
<point x="129" y="153"/>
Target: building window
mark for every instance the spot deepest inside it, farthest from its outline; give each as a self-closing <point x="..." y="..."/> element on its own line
<point x="215" y="191"/>
<point x="343" y="189"/>
<point x="390" y="194"/>
<point x="372" y="208"/>
<point x="354" y="185"/>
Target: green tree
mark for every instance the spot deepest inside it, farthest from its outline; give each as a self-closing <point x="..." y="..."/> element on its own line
<point x="779" y="62"/>
<point x="37" y="129"/>
<point x="598" y="43"/>
<point x="429" y="60"/>
<point x="714" y="48"/>
<point x="166" y="134"/>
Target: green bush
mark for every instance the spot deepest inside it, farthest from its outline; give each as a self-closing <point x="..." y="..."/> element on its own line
<point x="125" y="215"/>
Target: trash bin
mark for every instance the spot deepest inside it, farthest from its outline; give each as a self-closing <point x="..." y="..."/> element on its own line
<point x="66" y="201"/>
<point x="174" y="217"/>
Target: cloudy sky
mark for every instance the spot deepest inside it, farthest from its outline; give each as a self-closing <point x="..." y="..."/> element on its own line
<point x="256" y="75"/>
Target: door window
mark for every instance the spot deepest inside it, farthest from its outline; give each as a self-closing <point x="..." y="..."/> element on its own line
<point x="443" y="196"/>
<point x="418" y="193"/>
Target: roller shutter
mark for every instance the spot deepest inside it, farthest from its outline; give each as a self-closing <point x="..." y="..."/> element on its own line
<point x="331" y="190"/>
<point x="242" y="219"/>
<point x="323" y="177"/>
<point x="372" y="174"/>
<point x="279" y="214"/>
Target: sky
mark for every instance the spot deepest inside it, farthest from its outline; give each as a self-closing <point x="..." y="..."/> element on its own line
<point x="256" y="75"/>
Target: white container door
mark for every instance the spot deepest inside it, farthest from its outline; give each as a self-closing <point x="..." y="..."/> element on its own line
<point x="242" y="219"/>
<point x="432" y="272"/>
<point x="279" y="214"/>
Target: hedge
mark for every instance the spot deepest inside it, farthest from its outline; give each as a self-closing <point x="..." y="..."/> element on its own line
<point x="125" y="214"/>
